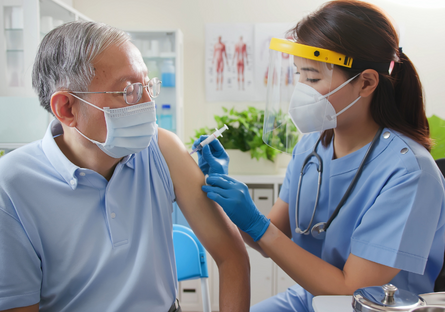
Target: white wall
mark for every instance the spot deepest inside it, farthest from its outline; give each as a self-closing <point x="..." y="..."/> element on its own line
<point x="68" y="2"/>
<point x="423" y="39"/>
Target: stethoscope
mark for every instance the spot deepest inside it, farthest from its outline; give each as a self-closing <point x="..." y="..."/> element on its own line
<point x="319" y="230"/>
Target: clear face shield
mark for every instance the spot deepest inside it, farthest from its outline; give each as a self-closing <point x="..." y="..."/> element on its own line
<point x="300" y="82"/>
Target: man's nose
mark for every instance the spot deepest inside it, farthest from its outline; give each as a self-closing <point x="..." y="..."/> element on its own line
<point x="146" y="96"/>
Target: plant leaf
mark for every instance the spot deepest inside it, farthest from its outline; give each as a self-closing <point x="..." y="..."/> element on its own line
<point x="437" y="133"/>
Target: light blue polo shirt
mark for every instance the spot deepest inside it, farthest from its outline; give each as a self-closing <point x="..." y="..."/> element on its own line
<point x="394" y="216"/>
<point x="74" y="241"/>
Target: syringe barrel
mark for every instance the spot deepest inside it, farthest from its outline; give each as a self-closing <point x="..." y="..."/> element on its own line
<point x="208" y="140"/>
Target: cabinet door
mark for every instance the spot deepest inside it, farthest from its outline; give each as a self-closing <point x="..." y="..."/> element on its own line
<point x="190" y="295"/>
<point x="263" y="199"/>
<point x="260" y="276"/>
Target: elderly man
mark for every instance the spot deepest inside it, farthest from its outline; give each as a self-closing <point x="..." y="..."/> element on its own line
<point x="85" y="213"/>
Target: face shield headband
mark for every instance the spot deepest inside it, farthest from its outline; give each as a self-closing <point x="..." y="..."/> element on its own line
<point x="299" y="83"/>
<point x="326" y="56"/>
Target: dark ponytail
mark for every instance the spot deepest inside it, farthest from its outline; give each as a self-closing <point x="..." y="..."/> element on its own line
<point x="361" y="31"/>
<point x="410" y="101"/>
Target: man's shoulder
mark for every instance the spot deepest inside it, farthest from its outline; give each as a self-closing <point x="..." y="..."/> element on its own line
<point x="22" y="159"/>
<point x="167" y="140"/>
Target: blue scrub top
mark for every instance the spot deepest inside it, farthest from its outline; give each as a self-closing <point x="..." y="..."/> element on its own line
<point x="394" y="216"/>
<point x="74" y="241"/>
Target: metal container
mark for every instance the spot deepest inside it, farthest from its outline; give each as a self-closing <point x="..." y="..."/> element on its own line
<point x="385" y="298"/>
<point x="434" y="299"/>
<point x="428" y="309"/>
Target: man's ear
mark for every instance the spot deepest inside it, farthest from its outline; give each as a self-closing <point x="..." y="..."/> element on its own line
<point x="64" y="108"/>
<point x="369" y="80"/>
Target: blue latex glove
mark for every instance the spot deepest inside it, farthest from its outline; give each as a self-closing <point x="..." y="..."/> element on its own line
<point x="233" y="196"/>
<point x="212" y="158"/>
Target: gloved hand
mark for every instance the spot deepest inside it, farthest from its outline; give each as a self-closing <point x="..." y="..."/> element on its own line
<point x="212" y="158"/>
<point x="233" y="196"/>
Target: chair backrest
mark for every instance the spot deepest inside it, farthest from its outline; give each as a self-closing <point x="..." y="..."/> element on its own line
<point x="191" y="260"/>
<point x="440" y="281"/>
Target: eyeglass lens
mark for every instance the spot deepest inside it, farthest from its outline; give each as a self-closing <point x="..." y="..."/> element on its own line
<point x="133" y="92"/>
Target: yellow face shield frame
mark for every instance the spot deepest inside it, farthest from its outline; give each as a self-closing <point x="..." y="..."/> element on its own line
<point x="309" y="52"/>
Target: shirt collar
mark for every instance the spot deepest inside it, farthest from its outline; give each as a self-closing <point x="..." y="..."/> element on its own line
<point x="60" y="162"/>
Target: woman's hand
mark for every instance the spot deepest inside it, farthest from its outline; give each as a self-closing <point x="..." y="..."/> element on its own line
<point x="233" y="196"/>
<point x="212" y="158"/>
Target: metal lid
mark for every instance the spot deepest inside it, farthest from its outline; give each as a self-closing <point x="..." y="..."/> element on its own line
<point x="385" y="298"/>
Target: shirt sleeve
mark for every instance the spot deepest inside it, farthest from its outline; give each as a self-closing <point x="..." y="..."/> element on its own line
<point x="20" y="272"/>
<point x="398" y="230"/>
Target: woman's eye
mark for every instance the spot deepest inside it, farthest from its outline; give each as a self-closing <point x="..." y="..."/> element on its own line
<point x="312" y="80"/>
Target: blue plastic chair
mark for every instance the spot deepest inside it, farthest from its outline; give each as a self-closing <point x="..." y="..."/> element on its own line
<point x="191" y="260"/>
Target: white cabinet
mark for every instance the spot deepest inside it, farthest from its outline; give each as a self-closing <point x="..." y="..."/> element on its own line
<point x="266" y="278"/>
<point x="162" y="52"/>
<point x="22" y="25"/>
<point x="263" y="197"/>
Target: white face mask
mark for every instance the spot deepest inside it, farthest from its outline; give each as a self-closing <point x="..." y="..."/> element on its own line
<point x="129" y="129"/>
<point x="311" y="111"/>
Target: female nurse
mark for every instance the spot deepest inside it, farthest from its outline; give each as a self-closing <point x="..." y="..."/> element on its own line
<point x="362" y="203"/>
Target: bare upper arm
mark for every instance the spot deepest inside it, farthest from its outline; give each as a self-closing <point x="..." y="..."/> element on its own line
<point x="33" y="308"/>
<point x="279" y="216"/>
<point x="360" y="272"/>
<point x="206" y="218"/>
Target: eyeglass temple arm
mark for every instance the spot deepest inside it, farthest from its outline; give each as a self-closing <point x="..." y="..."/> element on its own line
<point x="115" y="92"/>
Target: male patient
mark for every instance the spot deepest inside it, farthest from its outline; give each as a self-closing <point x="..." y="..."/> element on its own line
<point x="86" y="213"/>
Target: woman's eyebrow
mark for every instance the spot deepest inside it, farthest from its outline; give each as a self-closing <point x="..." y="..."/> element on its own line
<point x="310" y="69"/>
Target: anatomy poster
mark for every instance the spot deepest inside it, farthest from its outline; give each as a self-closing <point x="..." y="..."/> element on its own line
<point x="229" y="62"/>
<point x="237" y="57"/>
<point x="263" y="34"/>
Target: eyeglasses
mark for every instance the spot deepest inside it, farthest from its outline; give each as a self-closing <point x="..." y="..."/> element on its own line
<point x="133" y="92"/>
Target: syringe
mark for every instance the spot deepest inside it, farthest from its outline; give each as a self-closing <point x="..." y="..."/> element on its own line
<point x="211" y="137"/>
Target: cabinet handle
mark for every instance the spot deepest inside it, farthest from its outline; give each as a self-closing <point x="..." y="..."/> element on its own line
<point x="263" y="198"/>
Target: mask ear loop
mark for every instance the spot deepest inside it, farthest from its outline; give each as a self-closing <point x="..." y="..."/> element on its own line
<point x="335" y="115"/>
<point x="341" y="86"/>
<point x="93" y="141"/>
<point x="338" y="88"/>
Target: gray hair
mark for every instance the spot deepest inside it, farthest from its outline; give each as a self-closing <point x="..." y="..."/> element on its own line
<point x="65" y="56"/>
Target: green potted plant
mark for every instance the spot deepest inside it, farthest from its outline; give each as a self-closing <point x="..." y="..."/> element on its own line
<point x="245" y="134"/>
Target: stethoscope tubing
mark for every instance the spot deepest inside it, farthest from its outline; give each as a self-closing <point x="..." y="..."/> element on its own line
<point x="323" y="226"/>
<point x="320" y="171"/>
<point x="354" y="180"/>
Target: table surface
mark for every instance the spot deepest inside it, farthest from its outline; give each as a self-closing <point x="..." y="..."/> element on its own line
<point x="332" y="303"/>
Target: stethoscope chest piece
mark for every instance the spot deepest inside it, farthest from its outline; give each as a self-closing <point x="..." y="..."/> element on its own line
<point x="318" y="231"/>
